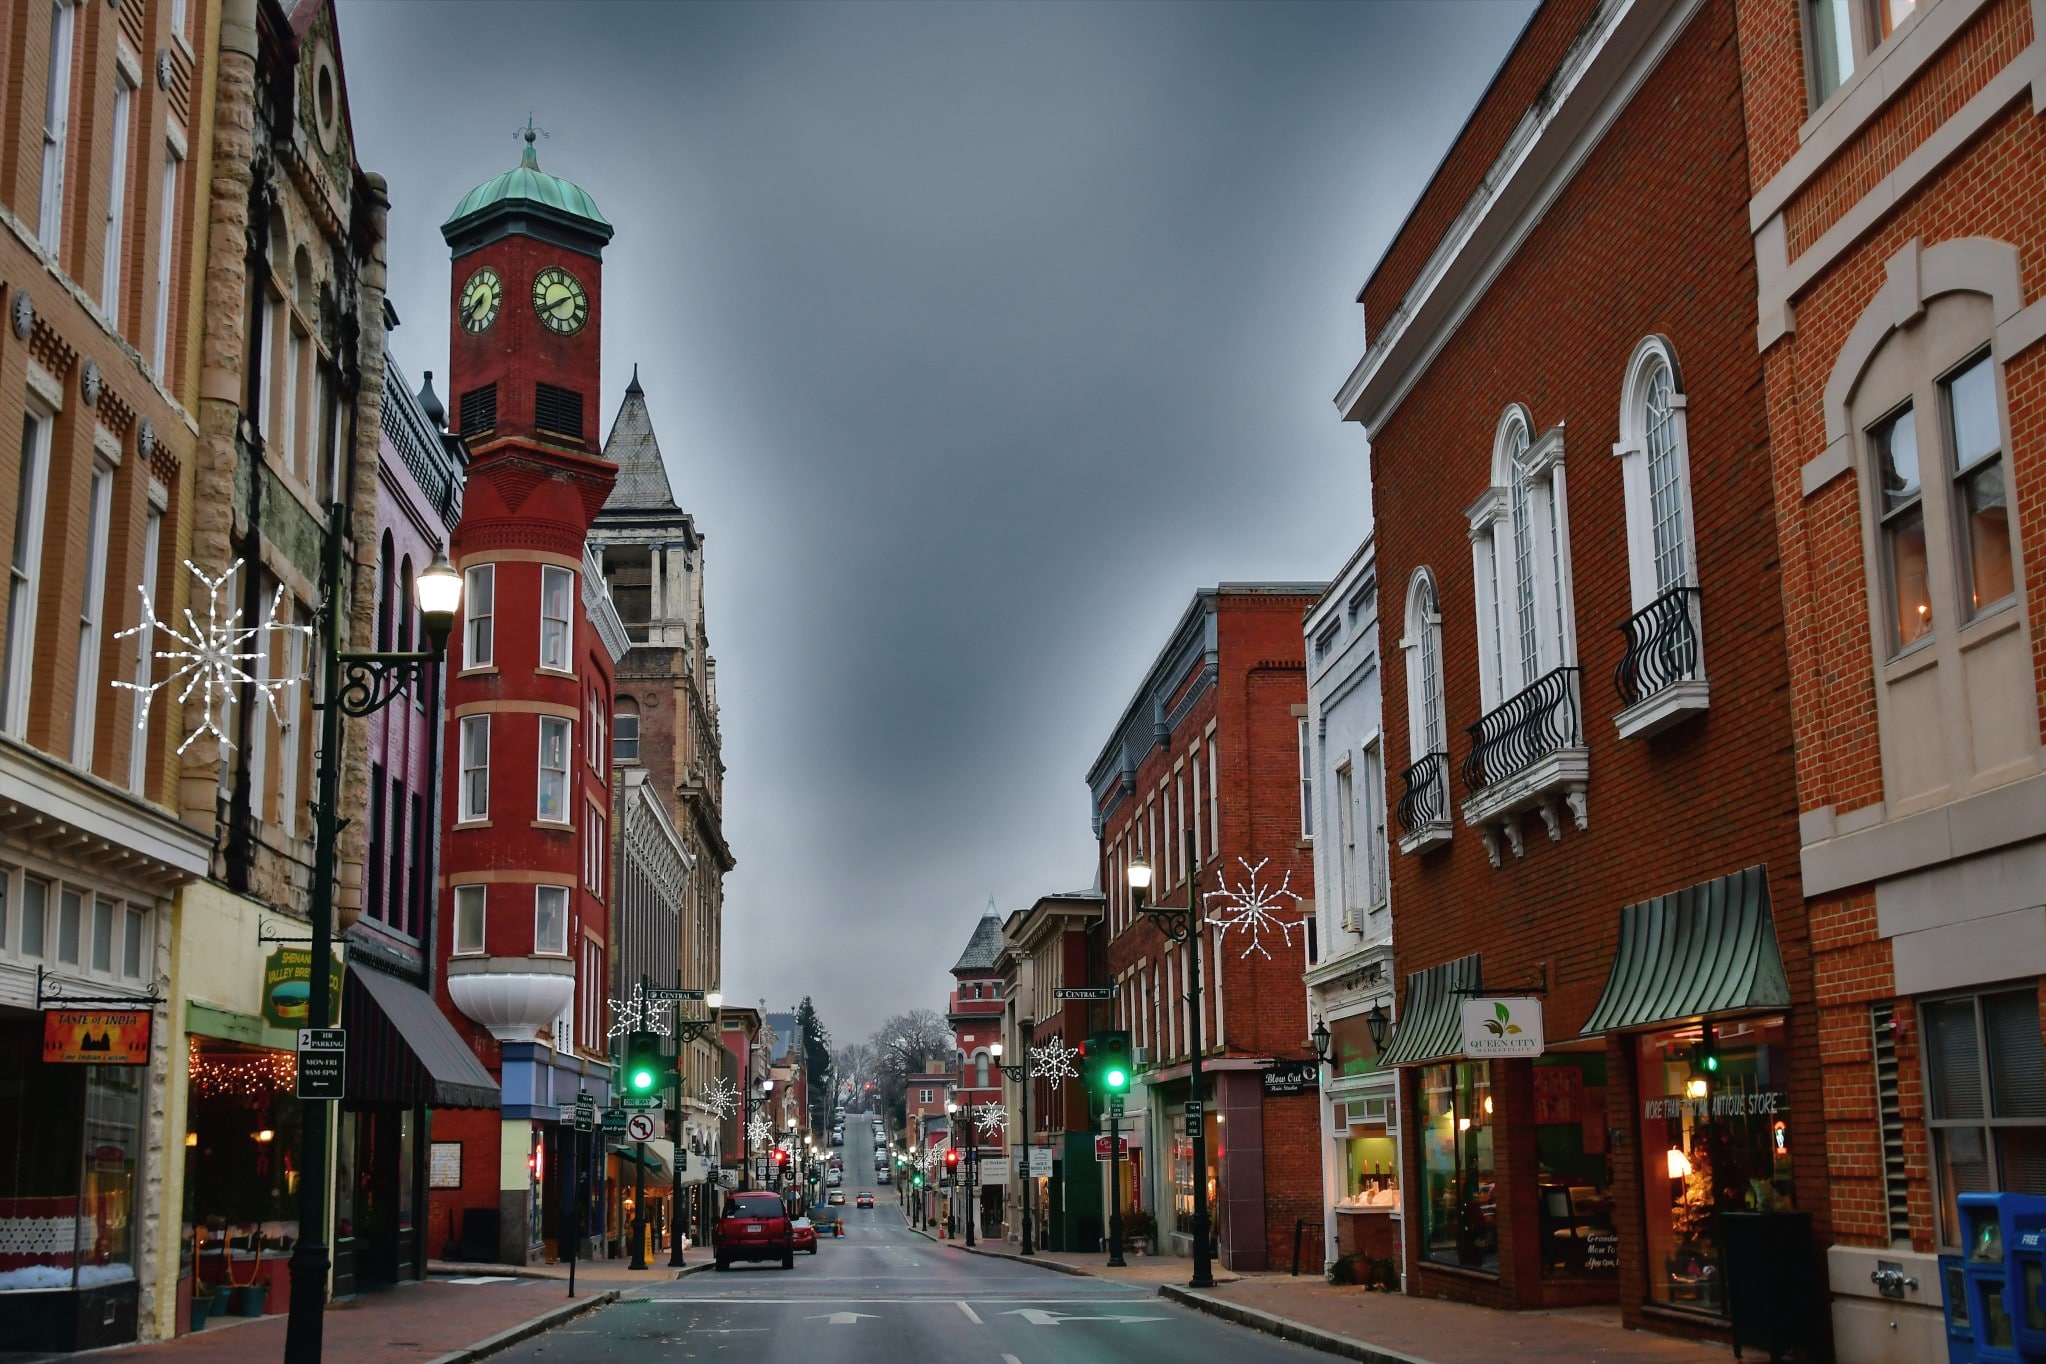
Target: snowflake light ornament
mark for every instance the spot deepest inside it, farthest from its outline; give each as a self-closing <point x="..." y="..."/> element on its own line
<point x="212" y="659"/>
<point x="1253" y="908"/>
<point x="759" y="1132"/>
<point x="990" y="1118"/>
<point x="720" y="1097"/>
<point x="637" y="1013"/>
<point x="1054" y="1061"/>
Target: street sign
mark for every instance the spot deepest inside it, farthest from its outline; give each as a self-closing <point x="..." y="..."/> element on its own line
<point x="1193" y="1108"/>
<point x="1084" y="992"/>
<point x="1193" y="1124"/>
<point x="1103" y="1152"/>
<point x="1115" y="1103"/>
<point x="1040" y="1162"/>
<point x="586" y="1112"/>
<point x="322" y="1063"/>
<point x="664" y="996"/>
<point x="642" y="1100"/>
<point x="614" y="1120"/>
<point x="639" y="1127"/>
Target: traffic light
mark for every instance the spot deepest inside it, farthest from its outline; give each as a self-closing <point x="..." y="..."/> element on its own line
<point x="951" y="1158"/>
<point x="643" y="1063"/>
<point x="1705" y="1058"/>
<point x="917" y="1180"/>
<point x="1108" y="1063"/>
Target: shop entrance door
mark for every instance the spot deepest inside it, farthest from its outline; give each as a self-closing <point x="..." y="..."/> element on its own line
<point x="380" y="1193"/>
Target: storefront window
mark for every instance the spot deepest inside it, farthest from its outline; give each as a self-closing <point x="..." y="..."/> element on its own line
<point x="1370" y="1158"/>
<point x="241" y="1148"/>
<point x="1456" y="1166"/>
<point x="1715" y="1137"/>
<point x="1574" y="1175"/>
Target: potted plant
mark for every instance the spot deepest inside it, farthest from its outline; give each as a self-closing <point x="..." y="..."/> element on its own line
<point x="1139" y="1231"/>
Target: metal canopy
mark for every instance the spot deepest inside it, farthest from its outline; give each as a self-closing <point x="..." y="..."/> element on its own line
<point x="1705" y="949"/>
<point x="402" y="1049"/>
<point x="1431" y="1022"/>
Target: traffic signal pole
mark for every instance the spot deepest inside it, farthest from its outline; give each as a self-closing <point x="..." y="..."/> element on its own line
<point x="1115" y="1260"/>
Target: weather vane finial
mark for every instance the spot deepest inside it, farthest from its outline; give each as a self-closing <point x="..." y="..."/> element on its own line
<point x="530" y="133"/>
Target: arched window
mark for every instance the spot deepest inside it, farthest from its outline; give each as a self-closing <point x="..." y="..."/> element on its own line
<point x="1520" y="555"/>
<point x="405" y="638"/>
<point x="1655" y="468"/>
<point x="1424" y="807"/>
<point x="383" y="613"/>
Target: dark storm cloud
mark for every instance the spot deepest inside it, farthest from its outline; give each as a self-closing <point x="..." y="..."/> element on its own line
<point x="976" y="337"/>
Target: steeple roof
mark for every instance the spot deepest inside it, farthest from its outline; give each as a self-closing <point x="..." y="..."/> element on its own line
<point x="526" y="185"/>
<point x="982" y="948"/>
<point x="642" y="477"/>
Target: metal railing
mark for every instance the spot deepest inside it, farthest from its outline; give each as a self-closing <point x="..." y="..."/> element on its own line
<point x="1426" y="800"/>
<point x="1529" y="726"/>
<point x="1662" y="646"/>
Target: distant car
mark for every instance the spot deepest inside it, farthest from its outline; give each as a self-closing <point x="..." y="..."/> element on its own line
<point x="836" y="1198"/>
<point x="865" y="1200"/>
<point x="755" y="1226"/>
<point x="834" y="1179"/>
<point x="805" y="1232"/>
<point x="838" y="1138"/>
<point x="828" y="1220"/>
<point x="884" y="1178"/>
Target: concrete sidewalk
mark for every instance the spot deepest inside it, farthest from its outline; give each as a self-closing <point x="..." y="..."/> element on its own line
<point x="435" y="1322"/>
<point x="1141" y="1269"/>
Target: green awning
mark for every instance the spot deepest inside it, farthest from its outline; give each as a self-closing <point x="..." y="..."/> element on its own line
<point x="1431" y="1022"/>
<point x="1705" y="949"/>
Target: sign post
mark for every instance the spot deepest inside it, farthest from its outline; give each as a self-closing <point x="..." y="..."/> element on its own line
<point x="322" y="1063"/>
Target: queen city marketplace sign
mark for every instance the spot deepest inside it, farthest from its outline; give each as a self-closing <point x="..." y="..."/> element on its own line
<point x="1502" y="1028"/>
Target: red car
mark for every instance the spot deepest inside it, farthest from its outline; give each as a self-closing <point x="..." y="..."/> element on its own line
<point x="806" y="1235"/>
<point x="755" y="1226"/>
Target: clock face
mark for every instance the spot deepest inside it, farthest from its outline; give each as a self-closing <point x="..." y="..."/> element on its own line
<point x="559" y="299"/>
<point x="481" y="298"/>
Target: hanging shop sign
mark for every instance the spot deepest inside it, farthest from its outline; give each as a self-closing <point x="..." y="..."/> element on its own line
<point x="96" y="1037"/>
<point x="288" y="990"/>
<point x="1040" y="1162"/>
<point x="1502" y="1028"/>
<point x="1293" y="1077"/>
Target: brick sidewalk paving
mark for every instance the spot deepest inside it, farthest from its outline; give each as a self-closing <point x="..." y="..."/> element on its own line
<point x="403" y="1325"/>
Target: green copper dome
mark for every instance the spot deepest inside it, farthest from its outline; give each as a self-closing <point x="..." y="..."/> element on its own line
<point x="527" y="186"/>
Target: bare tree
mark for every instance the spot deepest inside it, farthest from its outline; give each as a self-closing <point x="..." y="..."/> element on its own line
<point x="904" y="1044"/>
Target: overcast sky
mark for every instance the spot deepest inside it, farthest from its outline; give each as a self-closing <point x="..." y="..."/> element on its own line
<point x="977" y="338"/>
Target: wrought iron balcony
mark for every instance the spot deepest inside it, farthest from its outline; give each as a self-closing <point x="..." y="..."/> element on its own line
<point x="1423" y="811"/>
<point x="1528" y="755"/>
<point x="1537" y="721"/>
<point x="1661" y="676"/>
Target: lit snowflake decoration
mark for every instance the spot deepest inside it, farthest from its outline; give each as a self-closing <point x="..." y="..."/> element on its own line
<point x="759" y="1132"/>
<point x="990" y="1118"/>
<point x="720" y="1097"/>
<point x="212" y="659"/>
<point x="1254" y="908"/>
<point x="1054" y="1061"/>
<point x="637" y="1013"/>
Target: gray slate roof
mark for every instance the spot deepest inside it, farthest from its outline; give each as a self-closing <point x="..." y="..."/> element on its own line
<point x="982" y="948"/>
<point x="642" y="477"/>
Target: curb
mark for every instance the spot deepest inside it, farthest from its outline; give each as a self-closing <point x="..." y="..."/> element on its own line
<point x="1055" y="1266"/>
<point x="525" y="1330"/>
<point x="1284" y="1329"/>
<point x="450" y="1268"/>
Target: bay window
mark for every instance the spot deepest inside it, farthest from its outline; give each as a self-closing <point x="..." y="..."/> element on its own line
<point x="550" y="921"/>
<point x="469" y="922"/>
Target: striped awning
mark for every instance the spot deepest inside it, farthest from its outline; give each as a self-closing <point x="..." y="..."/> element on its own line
<point x="1705" y="949"/>
<point x="1430" y="1024"/>
<point x="403" y="1050"/>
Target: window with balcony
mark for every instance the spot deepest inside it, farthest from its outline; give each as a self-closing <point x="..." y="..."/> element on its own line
<point x="1424" y="804"/>
<point x="1660" y="677"/>
<point x="1527" y="751"/>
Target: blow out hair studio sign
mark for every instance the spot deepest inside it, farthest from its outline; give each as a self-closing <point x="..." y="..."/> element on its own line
<point x="1502" y="1028"/>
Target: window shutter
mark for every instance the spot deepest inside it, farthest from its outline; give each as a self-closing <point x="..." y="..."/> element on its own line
<point x="1890" y="1123"/>
<point x="479" y="410"/>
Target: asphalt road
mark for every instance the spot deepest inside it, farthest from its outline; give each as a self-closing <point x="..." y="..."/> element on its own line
<point x="884" y="1295"/>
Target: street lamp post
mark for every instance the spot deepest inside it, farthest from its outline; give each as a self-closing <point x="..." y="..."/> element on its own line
<point x="1020" y="1073"/>
<point x="764" y="1100"/>
<point x="357" y="685"/>
<point x="1184" y="925"/>
<point x="687" y="1031"/>
<point x="957" y="1174"/>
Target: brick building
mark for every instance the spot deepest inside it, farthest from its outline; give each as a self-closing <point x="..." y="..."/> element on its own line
<point x="1210" y="749"/>
<point x="974" y="1009"/>
<point x="1896" y="158"/>
<point x="526" y="895"/>
<point x="1606" y="848"/>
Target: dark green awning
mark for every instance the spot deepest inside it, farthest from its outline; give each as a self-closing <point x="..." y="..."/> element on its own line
<point x="1705" y="949"/>
<point x="1431" y="1021"/>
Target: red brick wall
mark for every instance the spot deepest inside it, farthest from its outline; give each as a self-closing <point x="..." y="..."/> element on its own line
<point x="1650" y="237"/>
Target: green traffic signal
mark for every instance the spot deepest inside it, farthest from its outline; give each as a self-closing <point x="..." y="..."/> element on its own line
<point x="1116" y="1078"/>
<point x="642" y="1068"/>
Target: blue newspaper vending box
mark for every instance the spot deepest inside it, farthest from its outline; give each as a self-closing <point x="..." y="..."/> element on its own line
<point x="1953" y="1293"/>
<point x="2001" y="1256"/>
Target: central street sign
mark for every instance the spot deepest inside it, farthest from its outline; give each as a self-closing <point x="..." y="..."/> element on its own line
<point x="322" y="1057"/>
<point x="666" y="996"/>
<point x="1084" y="992"/>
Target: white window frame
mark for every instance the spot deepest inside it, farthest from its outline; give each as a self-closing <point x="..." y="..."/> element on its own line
<point x="471" y="809"/>
<point x="1869" y="24"/>
<point x="479" y="628"/>
<point x="91" y="613"/>
<point x="25" y="568"/>
<point x="1344" y="799"/>
<point x="546" y="771"/>
<point x="1523" y="588"/>
<point x="145" y="648"/>
<point x="1427" y="725"/>
<point x="1306" y="754"/>
<point x="618" y="737"/>
<point x="135" y="933"/>
<point x="1652" y="356"/>
<point x="471" y="912"/>
<point x="289" y="717"/>
<point x="125" y="90"/>
<point x="546" y="898"/>
<point x="166" y="257"/>
<point x="1372" y="781"/>
<point x="57" y="124"/>
<point x="560" y="657"/>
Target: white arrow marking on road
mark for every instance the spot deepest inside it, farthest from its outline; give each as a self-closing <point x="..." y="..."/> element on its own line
<point x="971" y="1315"/>
<point x="843" y="1318"/>
<point x="1037" y="1316"/>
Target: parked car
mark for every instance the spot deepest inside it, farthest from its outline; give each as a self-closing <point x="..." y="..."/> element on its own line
<point x="838" y="1138"/>
<point x="755" y="1226"/>
<point x="805" y="1234"/>
<point x="834" y="1179"/>
<point x="884" y="1178"/>
<point x="864" y="1200"/>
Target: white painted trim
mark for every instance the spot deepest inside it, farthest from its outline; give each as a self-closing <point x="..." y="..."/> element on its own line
<point x="79" y="801"/>
<point x="1592" y="86"/>
<point x="1990" y="819"/>
<point x="47" y="387"/>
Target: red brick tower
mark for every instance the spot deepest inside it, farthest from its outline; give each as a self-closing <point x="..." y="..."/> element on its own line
<point x="527" y="806"/>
